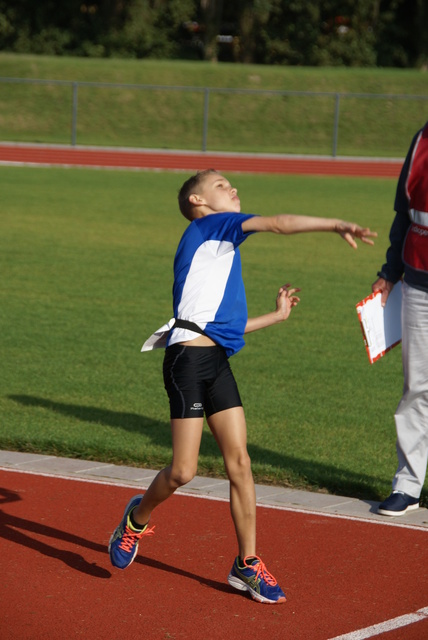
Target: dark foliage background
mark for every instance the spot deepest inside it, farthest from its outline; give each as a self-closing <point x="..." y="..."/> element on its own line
<point x="388" y="33"/>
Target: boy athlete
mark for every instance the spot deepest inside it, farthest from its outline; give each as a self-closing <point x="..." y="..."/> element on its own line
<point x="210" y="314"/>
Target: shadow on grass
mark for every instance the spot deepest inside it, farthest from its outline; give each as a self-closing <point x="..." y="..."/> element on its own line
<point x="130" y="421"/>
<point x="304" y="472"/>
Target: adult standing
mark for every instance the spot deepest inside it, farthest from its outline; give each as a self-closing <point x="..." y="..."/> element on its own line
<point x="407" y="258"/>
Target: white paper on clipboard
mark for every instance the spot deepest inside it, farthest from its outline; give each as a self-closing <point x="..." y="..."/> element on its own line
<point x="381" y="326"/>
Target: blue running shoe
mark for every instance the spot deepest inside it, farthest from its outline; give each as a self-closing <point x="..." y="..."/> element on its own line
<point x="123" y="545"/>
<point x="255" y="578"/>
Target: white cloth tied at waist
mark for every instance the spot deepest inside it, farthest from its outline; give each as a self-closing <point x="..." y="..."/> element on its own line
<point x="159" y="338"/>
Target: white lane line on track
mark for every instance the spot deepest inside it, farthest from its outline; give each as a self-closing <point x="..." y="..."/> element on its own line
<point x="384" y="627"/>
<point x="143" y="486"/>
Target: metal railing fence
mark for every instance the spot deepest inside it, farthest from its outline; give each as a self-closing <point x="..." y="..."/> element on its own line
<point x="337" y="99"/>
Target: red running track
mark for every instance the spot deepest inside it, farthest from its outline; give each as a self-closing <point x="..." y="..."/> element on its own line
<point x="193" y="161"/>
<point x="340" y="575"/>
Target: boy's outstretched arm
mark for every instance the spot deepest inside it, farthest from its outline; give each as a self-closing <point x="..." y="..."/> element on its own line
<point x="285" y="301"/>
<point x="287" y="224"/>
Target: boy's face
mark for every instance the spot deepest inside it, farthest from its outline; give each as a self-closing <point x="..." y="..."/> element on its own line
<point x="218" y="195"/>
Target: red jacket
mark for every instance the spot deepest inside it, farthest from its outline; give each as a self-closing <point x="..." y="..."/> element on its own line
<point x="408" y="251"/>
<point x="415" y="252"/>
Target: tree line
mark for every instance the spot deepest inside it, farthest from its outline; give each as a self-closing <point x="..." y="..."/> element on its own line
<point x="358" y="33"/>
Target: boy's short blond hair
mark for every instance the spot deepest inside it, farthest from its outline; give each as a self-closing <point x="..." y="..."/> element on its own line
<point x="192" y="185"/>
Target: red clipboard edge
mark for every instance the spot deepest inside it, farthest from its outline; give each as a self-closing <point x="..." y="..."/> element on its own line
<point x="358" y="307"/>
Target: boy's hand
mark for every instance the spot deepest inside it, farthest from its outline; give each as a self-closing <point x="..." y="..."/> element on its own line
<point x="286" y="300"/>
<point x="350" y="230"/>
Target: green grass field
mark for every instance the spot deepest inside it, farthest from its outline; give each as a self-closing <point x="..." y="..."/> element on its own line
<point x="86" y="258"/>
<point x="128" y="116"/>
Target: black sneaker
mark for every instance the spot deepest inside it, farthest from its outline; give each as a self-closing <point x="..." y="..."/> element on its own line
<point x="397" y="504"/>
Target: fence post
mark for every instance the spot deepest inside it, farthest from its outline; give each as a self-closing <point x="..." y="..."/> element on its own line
<point x="205" y="125"/>
<point x="74" y="115"/>
<point x="336" y="124"/>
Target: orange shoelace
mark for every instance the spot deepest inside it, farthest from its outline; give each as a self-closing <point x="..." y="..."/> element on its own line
<point x="130" y="537"/>
<point x="261" y="571"/>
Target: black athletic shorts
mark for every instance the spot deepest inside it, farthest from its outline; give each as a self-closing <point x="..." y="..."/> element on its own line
<point x="198" y="380"/>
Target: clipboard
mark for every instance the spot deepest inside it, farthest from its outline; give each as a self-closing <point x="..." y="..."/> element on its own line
<point x="381" y="326"/>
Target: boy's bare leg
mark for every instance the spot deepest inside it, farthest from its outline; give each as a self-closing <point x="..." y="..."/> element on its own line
<point x="186" y="439"/>
<point x="230" y="430"/>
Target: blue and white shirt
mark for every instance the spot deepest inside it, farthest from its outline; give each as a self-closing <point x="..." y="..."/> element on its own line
<point x="208" y="287"/>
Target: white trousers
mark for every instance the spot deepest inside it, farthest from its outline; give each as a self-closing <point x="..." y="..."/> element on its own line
<point x="411" y="417"/>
